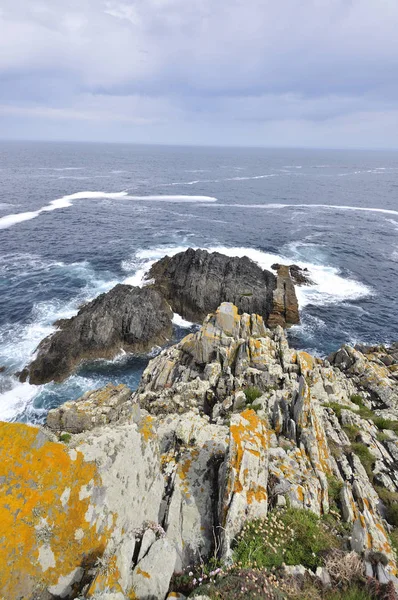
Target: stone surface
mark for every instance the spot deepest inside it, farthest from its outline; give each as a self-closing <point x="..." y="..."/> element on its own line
<point x="126" y="318"/>
<point x="196" y="282"/>
<point x="100" y="407"/>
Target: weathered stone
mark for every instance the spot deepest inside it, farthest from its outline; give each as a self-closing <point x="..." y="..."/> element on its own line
<point x="151" y="577"/>
<point x="99" y="407"/>
<point x="243" y="478"/>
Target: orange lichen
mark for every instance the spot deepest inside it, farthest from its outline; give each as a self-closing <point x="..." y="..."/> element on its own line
<point x="143" y="573"/>
<point x="42" y="509"/>
<point x="146" y="428"/>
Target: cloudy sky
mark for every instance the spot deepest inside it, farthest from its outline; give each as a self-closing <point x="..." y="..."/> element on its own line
<point x="320" y="73"/>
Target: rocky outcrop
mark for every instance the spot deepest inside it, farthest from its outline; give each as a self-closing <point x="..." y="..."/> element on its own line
<point x="299" y="275"/>
<point x="99" y="407"/>
<point x="126" y="318"/>
<point x="285" y="309"/>
<point x="226" y="426"/>
<point x="196" y="282"/>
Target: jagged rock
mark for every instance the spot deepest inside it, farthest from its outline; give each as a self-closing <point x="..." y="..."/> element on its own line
<point x="285" y="306"/>
<point x="126" y="318"/>
<point x="229" y="353"/>
<point x="299" y="275"/>
<point x="99" y="407"/>
<point x="243" y="477"/>
<point x="196" y="282"/>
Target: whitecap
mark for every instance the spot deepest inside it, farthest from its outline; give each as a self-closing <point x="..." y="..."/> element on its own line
<point x="67" y="201"/>
<point x="180" y="322"/>
<point x="343" y="207"/>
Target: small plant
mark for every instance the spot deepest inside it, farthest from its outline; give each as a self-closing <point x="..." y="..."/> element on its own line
<point x="390" y="500"/>
<point x="352" y="432"/>
<point x="365" y="456"/>
<point x="382" y="423"/>
<point x="65" y="437"/>
<point x="334" y="488"/>
<point x="252" y="393"/>
<point x="337" y="408"/>
<point x="382" y="437"/>
<point x="293" y="536"/>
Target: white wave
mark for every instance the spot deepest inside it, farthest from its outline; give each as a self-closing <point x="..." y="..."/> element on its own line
<point x="386" y="211"/>
<point x="61" y="168"/>
<point x="330" y="287"/>
<point x="196" y="181"/>
<point x="180" y="322"/>
<point x="66" y="201"/>
<point x="81" y="177"/>
<point x="16" y="399"/>
<point x="5" y="205"/>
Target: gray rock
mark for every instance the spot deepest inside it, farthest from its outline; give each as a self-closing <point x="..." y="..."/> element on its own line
<point x="196" y="282"/>
<point x="126" y="318"/>
<point x="93" y="409"/>
<point x="151" y="577"/>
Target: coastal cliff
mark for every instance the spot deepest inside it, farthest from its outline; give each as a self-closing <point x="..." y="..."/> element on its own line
<point x="238" y="464"/>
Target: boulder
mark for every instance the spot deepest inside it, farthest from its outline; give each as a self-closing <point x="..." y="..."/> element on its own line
<point x="196" y="282"/>
<point x="126" y="318"/>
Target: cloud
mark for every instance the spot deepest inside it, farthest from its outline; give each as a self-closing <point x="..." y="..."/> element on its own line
<point x="234" y="63"/>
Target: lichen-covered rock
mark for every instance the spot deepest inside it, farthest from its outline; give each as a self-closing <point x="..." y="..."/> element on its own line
<point x="243" y="477"/>
<point x="64" y="508"/>
<point x="99" y="407"/>
<point x="125" y="318"/>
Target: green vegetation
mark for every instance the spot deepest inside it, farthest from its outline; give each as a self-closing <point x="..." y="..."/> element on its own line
<point x="293" y="536"/>
<point x="337" y="408"/>
<point x="382" y="437"/>
<point x="354" y="593"/>
<point x="365" y="456"/>
<point x="65" y="437"/>
<point x="334" y="488"/>
<point x="352" y="432"/>
<point x="252" y="393"/>
<point x="390" y="500"/>
<point x="363" y="411"/>
<point x="382" y="423"/>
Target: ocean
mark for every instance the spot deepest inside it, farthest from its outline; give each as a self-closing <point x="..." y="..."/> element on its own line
<point x="75" y="219"/>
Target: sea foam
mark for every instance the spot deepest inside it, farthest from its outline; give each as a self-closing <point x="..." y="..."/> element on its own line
<point x="67" y="201"/>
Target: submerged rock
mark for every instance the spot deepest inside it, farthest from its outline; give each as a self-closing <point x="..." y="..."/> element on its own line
<point x="126" y="318"/>
<point x="196" y="282"/>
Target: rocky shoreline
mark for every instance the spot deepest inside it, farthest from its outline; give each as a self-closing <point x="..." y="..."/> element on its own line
<point x="240" y="467"/>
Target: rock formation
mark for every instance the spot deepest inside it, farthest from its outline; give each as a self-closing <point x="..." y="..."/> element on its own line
<point x="227" y="426"/>
<point x="196" y="282"/>
<point x="299" y="275"/>
<point x="126" y="318"/>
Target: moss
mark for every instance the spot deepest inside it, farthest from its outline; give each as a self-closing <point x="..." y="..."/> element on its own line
<point x="252" y="393"/>
<point x="293" y="536"/>
<point x="65" y="437"/>
<point x="394" y="539"/>
<point x="355" y="592"/>
<point x="365" y="456"/>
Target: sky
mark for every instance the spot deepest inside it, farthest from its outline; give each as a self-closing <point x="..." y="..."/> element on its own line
<point x="286" y="73"/>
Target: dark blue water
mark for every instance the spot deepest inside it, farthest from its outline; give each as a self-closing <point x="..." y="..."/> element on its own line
<point x="77" y="218"/>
